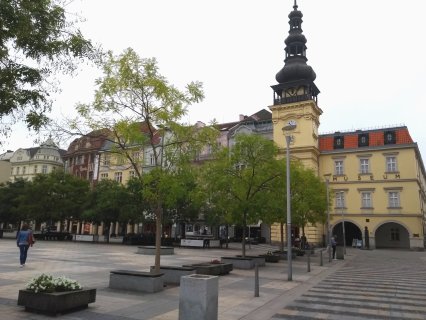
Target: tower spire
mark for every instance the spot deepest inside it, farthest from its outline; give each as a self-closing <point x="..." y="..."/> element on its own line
<point x="296" y="73"/>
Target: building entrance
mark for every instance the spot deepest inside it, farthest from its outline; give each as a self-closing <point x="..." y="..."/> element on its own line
<point x="351" y="232"/>
<point x="392" y="235"/>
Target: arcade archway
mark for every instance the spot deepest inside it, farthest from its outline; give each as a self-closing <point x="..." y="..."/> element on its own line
<point x="392" y="235"/>
<point x="351" y="232"/>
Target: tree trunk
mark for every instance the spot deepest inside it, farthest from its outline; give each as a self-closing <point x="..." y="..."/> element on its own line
<point x="243" y="240"/>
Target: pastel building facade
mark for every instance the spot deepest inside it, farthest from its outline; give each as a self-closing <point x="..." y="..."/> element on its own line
<point x="376" y="178"/>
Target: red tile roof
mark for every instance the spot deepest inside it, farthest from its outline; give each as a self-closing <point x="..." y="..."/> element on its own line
<point x="376" y="138"/>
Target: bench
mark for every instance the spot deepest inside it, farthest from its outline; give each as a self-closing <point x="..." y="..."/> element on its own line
<point x="136" y="281"/>
<point x="212" y="269"/>
<point x="172" y="274"/>
<point x="260" y="260"/>
<point x="239" y="262"/>
<point x="150" y="250"/>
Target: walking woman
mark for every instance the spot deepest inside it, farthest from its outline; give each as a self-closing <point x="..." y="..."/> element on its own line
<point x="24" y="240"/>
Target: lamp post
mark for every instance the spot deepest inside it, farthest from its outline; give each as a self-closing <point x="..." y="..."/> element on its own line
<point x="343" y="223"/>
<point x="328" y="220"/>
<point x="291" y="125"/>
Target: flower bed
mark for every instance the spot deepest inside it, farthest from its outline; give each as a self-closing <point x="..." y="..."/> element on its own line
<point x="49" y="295"/>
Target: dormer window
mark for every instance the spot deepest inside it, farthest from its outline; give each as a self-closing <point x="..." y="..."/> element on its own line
<point x="363" y="140"/>
<point x="390" y="137"/>
<point x="338" y="142"/>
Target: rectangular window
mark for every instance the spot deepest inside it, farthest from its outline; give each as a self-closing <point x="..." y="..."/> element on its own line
<point x="394" y="199"/>
<point x="394" y="234"/>
<point x="104" y="176"/>
<point x="391" y="164"/>
<point x="364" y="166"/>
<point x="338" y="167"/>
<point x="118" y="176"/>
<point x="35" y="169"/>
<point x="152" y="159"/>
<point x="366" y="200"/>
<point x="339" y="142"/>
<point x="44" y="169"/>
<point x="340" y="200"/>
<point x="24" y="169"/>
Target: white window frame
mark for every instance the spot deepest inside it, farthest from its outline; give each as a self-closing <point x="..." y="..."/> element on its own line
<point x="394" y="199"/>
<point x="118" y="176"/>
<point x="366" y="199"/>
<point x="364" y="165"/>
<point x="339" y="168"/>
<point x="391" y="164"/>
<point x="340" y="199"/>
<point x="44" y="169"/>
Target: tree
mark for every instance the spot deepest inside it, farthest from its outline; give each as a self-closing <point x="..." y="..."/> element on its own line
<point x="54" y="197"/>
<point x="143" y="111"/>
<point x="240" y="181"/>
<point x="308" y="199"/>
<point x="36" y="41"/>
<point x="106" y="204"/>
<point x="10" y="192"/>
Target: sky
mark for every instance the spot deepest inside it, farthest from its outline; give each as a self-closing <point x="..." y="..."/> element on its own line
<point x="369" y="57"/>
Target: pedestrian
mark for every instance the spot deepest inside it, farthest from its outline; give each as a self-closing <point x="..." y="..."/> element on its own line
<point x="333" y="246"/>
<point x="24" y="239"/>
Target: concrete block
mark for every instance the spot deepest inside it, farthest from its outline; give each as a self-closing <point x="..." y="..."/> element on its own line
<point x="198" y="297"/>
<point x="136" y="281"/>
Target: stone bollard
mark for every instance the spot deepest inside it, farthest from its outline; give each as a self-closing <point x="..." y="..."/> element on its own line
<point x="256" y="280"/>
<point x="198" y="297"/>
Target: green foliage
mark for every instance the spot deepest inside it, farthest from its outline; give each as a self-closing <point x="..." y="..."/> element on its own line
<point x="241" y="181"/>
<point x="106" y="203"/>
<point x="36" y="40"/>
<point x="10" y="194"/>
<point x="47" y="283"/>
<point x="52" y="197"/>
<point x="143" y="112"/>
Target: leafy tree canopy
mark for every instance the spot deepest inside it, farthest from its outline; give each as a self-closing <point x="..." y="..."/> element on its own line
<point x="36" y="40"/>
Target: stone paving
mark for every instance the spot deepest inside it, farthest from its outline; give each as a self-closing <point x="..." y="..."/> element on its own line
<point x="378" y="284"/>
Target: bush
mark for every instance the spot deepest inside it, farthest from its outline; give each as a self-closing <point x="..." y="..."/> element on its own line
<point x="46" y="283"/>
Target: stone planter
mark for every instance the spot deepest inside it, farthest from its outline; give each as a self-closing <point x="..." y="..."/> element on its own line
<point x="271" y="257"/>
<point x="53" y="303"/>
<point x="212" y="269"/>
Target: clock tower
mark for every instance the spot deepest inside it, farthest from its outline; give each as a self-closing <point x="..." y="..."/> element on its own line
<point x="295" y="97"/>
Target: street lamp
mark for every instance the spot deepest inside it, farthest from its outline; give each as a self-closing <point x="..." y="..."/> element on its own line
<point x="291" y="125"/>
<point x="328" y="218"/>
<point x="343" y="222"/>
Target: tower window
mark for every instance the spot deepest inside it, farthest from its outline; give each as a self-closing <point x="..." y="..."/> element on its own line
<point x="390" y="137"/>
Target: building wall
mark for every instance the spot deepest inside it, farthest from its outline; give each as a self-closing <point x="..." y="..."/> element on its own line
<point x="5" y="168"/>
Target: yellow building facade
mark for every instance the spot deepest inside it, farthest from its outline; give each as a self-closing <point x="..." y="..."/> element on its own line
<point x="376" y="178"/>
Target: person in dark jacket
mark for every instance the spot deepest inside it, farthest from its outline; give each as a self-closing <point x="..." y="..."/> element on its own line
<point x="24" y="239"/>
<point x="333" y="245"/>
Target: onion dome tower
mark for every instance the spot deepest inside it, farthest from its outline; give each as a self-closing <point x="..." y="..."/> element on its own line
<point x="295" y="98"/>
<point x="296" y="78"/>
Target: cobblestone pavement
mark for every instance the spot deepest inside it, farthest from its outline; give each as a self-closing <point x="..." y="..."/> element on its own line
<point x="377" y="284"/>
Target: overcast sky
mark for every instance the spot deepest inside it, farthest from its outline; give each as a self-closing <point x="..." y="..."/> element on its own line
<point x="369" y="56"/>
